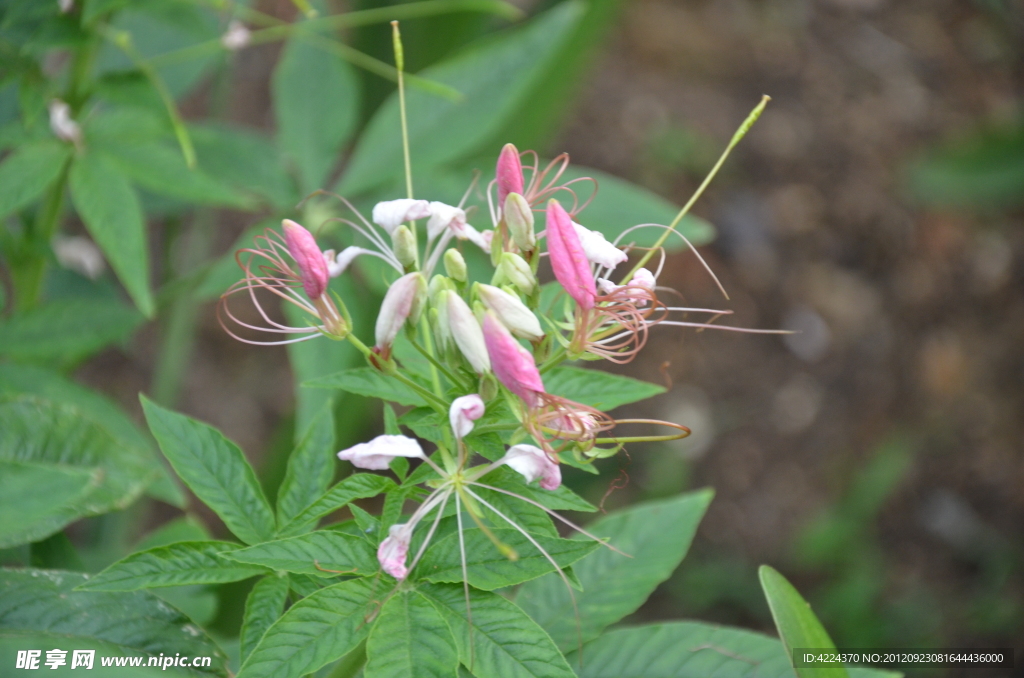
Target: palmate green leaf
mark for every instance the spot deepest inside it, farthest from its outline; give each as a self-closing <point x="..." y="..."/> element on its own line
<point x="796" y="623"/>
<point x="26" y="512"/>
<point x="358" y="486"/>
<point x="505" y="642"/>
<point x="41" y="608"/>
<point x="67" y="329"/>
<point x="43" y="433"/>
<point x="316" y="103"/>
<point x="160" y="168"/>
<point x="410" y="640"/>
<point x="531" y="518"/>
<point x="366" y="381"/>
<point x="314" y="554"/>
<point x="493" y="75"/>
<point x="183" y="563"/>
<point x="27" y="172"/>
<point x="110" y="209"/>
<point x="29" y="379"/>
<point x="215" y="469"/>
<point x="688" y="649"/>
<point x="263" y="607"/>
<point x="488" y="568"/>
<point x="318" y="629"/>
<point x="310" y="467"/>
<point x="602" y="390"/>
<point x="656" y="534"/>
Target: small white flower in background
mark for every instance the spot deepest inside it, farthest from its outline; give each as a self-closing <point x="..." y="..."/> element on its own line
<point x="597" y="248"/>
<point x="236" y="37"/>
<point x="393" y="551"/>
<point x="61" y="123"/>
<point x="377" y="454"/>
<point x="65" y="5"/>
<point x="534" y="464"/>
<point x="80" y="255"/>
<point x="464" y="411"/>
<point x="390" y="214"/>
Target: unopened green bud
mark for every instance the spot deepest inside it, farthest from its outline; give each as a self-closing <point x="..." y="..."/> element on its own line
<point x="438" y="284"/>
<point x="455" y="265"/>
<point x="519" y="219"/>
<point x="405" y="246"/>
<point x="515" y="269"/>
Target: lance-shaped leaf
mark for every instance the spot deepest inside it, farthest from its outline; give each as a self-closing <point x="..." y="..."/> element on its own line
<point x="314" y="553"/>
<point x="42" y="609"/>
<point x="67" y="329"/>
<point x="28" y="171"/>
<point x="310" y="467"/>
<point x="318" y="629"/>
<point x="29" y="379"/>
<point x="599" y="389"/>
<point x="44" y="434"/>
<point x="263" y="607"/>
<point x="488" y="568"/>
<point x="410" y="640"/>
<point x="797" y="624"/>
<point x="366" y="381"/>
<point x="358" y="486"/>
<point x="26" y="514"/>
<point x="657" y="535"/>
<point x="189" y="562"/>
<point x="689" y="650"/>
<point x="110" y="209"/>
<point x="505" y="642"/>
<point x="215" y="469"/>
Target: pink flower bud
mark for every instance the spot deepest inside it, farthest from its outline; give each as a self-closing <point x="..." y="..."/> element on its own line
<point x="464" y="411"/>
<point x="392" y="213"/>
<point x="513" y="365"/>
<point x="308" y="257"/>
<point x="464" y="329"/>
<point x="402" y="302"/>
<point x="597" y="248"/>
<point x="568" y="259"/>
<point x="393" y="551"/>
<point x="377" y="454"/>
<point x="533" y="464"/>
<point x="509" y="173"/>
<point x="513" y="313"/>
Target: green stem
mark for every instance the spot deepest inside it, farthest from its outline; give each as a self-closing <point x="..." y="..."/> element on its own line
<point x="28" y="278"/>
<point x="437" y="366"/>
<point x="556" y="358"/>
<point x="431" y="399"/>
<point x="740" y="133"/>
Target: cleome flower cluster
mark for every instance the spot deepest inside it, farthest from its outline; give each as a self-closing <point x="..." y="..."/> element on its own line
<point x="488" y="343"/>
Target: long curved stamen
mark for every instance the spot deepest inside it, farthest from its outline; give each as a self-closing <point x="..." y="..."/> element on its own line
<point x="551" y="513"/>
<point x="433" y="528"/>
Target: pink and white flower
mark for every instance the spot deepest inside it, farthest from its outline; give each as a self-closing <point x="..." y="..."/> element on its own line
<point x="393" y="551"/>
<point x="463" y="412"/>
<point x="533" y="464"/>
<point x="377" y="454"/>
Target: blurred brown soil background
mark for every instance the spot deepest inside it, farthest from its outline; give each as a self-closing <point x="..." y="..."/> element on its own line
<point x="877" y="457"/>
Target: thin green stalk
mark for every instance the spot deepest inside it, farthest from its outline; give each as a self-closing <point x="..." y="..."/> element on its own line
<point x="123" y="40"/>
<point x="740" y="133"/>
<point x="396" y="38"/>
<point x="28" y="279"/>
<point x="431" y="399"/>
<point x="556" y="358"/>
<point x="436" y="365"/>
